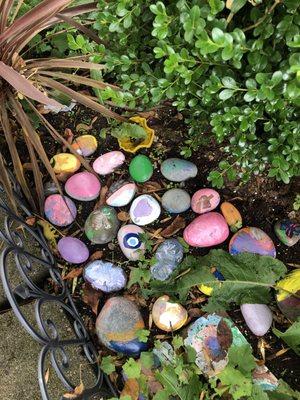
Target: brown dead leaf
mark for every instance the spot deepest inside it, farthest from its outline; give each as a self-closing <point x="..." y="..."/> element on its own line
<point x="76" y="394"/>
<point x="195" y="312"/>
<point x="74" y="273"/>
<point x="177" y="224"/>
<point x="102" y="198"/>
<point x="30" y="221"/>
<point x="149" y="187"/>
<point x="47" y="375"/>
<point x="123" y="216"/>
<point x="96" y="256"/>
<point x="135" y="298"/>
<point x="131" y="388"/>
<point x="91" y="297"/>
<point x="69" y="136"/>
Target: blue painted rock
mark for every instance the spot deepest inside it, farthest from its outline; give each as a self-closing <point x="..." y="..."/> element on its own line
<point x="168" y="255"/>
<point x="120" y="193"/>
<point x="176" y="201"/>
<point x="108" y="162"/>
<point x="167" y="315"/>
<point x="102" y="225"/>
<point x="144" y="210"/>
<point x="117" y="326"/>
<point x="73" y="250"/>
<point x="205" y="200"/>
<point x="129" y="238"/>
<point x="83" y="186"/>
<point x="258" y="318"/>
<point x="60" y="210"/>
<point x="105" y="276"/>
<point x="288" y="232"/>
<point x="252" y="240"/>
<point x="178" y="170"/>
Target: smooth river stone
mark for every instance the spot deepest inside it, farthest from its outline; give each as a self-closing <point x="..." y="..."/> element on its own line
<point x="206" y="230"/>
<point x="85" y="145"/>
<point x="205" y="200"/>
<point x="105" y="276"/>
<point x="252" y="240"/>
<point x="140" y="168"/>
<point x="289" y="304"/>
<point x="60" y="210"/>
<point x="65" y="163"/>
<point x="176" y="201"/>
<point x="108" y="162"/>
<point x="288" y="232"/>
<point x="167" y="315"/>
<point x="144" y="210"/>
<point x="168" y="255"/>
<point x="178" y="170"/>
<point x="73" y="250"/>
<point x="258" y="318"/>
<point x="102" y="225"/>
<point x="117" y="326"/>
<point x="83" y="186"/>
<point x="130" y="241"/>
<point x="120" y="193"/>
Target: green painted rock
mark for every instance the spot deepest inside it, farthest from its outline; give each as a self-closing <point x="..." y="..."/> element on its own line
<point x="141" y="168"/>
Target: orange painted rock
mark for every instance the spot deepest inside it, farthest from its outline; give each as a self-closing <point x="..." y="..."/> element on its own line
<point x="232" y="216"/>
<point x="85" y="145"/>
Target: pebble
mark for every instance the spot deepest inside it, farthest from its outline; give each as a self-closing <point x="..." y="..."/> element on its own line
<point x="258" y="318"/>
<point x="168" y="255"/>
<point x="178" y="170"/>
<point x="168" y="316"/>
<point x="130" y="241"/>
<point x="232" y="216"/>
<point x="140" y="168"/>
<point x="206" y="230"/>
<point x="176" y="201"/>
<point x="108" y="162"/>
<point x="120" y="193"/>
<point x="85" y="145"/>
<point x="289" y="304"/>
<point x="252" y="240"/>
<point x="65" y="163"/>
<point x="105" y="276"/>
<point x="288" y="232"/>
<point x="144" y="210"/>
<point x="102" y="225"/>
<point x="83" y="186"/>
<point x="73" y="250"/>
<point x="117" y="326"/>
<point x="205" y="200"/>
<point x="60" y="210"/>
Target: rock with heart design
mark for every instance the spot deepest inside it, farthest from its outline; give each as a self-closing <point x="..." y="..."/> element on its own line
<point x="102" y="225"/>
<point x="130" y="241"/>
<point x="205" y="200"/>
<point x="83" y="186"/>
<point x="120" y="193"/>
<point x="108" y="162"/>
<point x="144" y="210"/>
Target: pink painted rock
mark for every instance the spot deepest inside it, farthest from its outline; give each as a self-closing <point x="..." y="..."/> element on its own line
<point x="206" y="230"/>
<point x="205" y="200"/>
<point x="108" y="162"/>
<point x="83" y="186"/>
<point x="258" y="318"/>
<point x="120" y="193"/>
<point x="60" y="210"/>
<point x="73" y="250"/>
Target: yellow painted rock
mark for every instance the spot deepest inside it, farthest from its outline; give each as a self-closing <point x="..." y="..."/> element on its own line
<point x="289" y="304"/>
<point x="168" y="316"/>
<point x="65" y="163"/>
<point x="85" y="145"/>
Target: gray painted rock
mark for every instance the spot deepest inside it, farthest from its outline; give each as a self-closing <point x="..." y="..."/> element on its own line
<point x="176" y="201"/>
<point x="168" y="255"/>
<point x="178" y="170"/>
<point x="258" y="318"/>
<point x="105" y="276"/>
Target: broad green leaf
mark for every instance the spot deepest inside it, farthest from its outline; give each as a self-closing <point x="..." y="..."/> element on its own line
<point x="226" y="94"/>
<point x="291" y="336"/>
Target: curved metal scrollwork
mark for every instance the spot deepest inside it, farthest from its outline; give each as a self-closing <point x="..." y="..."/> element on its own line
<point x="56" y="341"/>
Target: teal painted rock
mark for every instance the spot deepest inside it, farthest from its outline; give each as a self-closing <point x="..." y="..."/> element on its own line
<point x="176" y="201"/>
<point x="102" y="225"/>
<point x="140" y="168"/>
<point x="178" y="170"/>
<point x="288" y="232"/>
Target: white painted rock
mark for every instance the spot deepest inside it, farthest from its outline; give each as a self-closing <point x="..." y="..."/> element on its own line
<point x="144" y="210"/>
<point x="120" y="193"/>
<point x="108" y="162"/>
<point x="258" y="318"/>
<point x="130" y="241"/>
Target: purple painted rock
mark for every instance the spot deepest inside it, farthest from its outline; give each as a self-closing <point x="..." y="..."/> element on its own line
<point x="73" y="250"/>
<point x="205" y="200"/>
<point x="252" y="240"/>
<point x="144" y="210"/>
<point x="105" y="276"/>
<point x="85" y="145"/>
<point x="120" y="193"/>
<point x="108" y="162"/>
<point x="129" y="238"/>
<point x="258" y="318"/>
<point x="206" y="230"/>
<point x="60" y="210"/>
<point x="83" y="186"/>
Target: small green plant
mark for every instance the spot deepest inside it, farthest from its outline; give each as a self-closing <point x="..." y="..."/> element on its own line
<point x="129" y="131"/>
<point x="296" y="204"/>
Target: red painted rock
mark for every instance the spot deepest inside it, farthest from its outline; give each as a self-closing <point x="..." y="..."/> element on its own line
<point x="83" y="186"/>
<point x="108" y="162"/>
<point x="205" y="200"/>
<point x="206" y="230"/>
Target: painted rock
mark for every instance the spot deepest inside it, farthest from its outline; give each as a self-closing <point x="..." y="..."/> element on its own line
<point x="168" y="316"/>
<point x="289" y="304"/>
<point x="73" y="250"/>
<point x="176" y="201"/>
<point x="168" y="255"/>
<point x="108" y="162"/>
<point x="252" y="240"/>
<point x="144" y="210"/>
<point x="232" y="216"/>
<point x="288" y="232"/>
<point x="206" y="230"/>
<point x="205" y="200"/>
<point x="178" y="170"/>
<point x="264" y="378"/>
<point x="60" y="210"/>
<point x="117" y="326"/>
<point x="85" y="145"/>
<point x="83" y="186"/>
<point x="258" y="318"/>
<point x="102" y="225"/>
<point x="50" y="188"/>
<point x="120" y="193"/>
<point x="105" y="276"/>
<point x="65" y="163"/>
<point x="130" y="241"/>
<point x="140" y="168"/>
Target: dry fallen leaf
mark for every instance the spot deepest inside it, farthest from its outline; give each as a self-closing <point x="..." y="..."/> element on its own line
<point x="178" y="224"/>
<point x="47" y="375"/>
<point x="96" y="256"/>
<point x="102" y="198"/>
<point x="131" y="388"/>
<point x="91" y="297"/>
<point x="76" y="394"/>
<point x="149" y="187"/>
<point x="74" y="273"/>
<point x="123" y="216"/>
<point x="30" y="221"/>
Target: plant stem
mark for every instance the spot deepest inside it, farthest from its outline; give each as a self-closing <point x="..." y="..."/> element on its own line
<point x="261" y="20"/>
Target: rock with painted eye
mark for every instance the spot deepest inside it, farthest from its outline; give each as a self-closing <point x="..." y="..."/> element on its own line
<point x="130" y="241"/>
